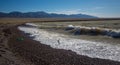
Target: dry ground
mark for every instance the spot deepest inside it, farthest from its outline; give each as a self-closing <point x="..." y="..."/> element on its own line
<point x="29" y="52"/>
<point x="23" y="20"/>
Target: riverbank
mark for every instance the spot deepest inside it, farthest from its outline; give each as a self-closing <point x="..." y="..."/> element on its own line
<point x="18" y="49"/>
<point x="36" y="53"/>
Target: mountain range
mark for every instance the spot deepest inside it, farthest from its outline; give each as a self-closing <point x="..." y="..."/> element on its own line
<point x="42" y="14"/>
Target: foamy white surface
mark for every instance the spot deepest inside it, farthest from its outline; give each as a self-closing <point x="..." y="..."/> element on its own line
<point x="81" y="47"/>
<point x="114" y="30"/>
<point x="31" y="24"/>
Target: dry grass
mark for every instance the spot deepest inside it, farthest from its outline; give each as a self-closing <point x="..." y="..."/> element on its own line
<point x="113" y="24"/>
<point x="23" y="20"/>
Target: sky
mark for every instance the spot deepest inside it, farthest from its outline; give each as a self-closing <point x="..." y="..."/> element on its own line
<point x="99" y="8"/>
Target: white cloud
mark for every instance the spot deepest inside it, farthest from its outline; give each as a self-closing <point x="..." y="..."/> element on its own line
<point x="77" y="11"/>
<point x="94" y="11"/>
<point x="68" y="12"/>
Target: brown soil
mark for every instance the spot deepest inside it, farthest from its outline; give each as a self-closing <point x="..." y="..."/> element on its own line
<point x="30" y="52"/>
<point x="7" y="57"/>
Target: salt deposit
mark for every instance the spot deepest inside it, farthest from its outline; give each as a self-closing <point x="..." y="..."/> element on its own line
<point x="31" y="24"/>
<point x="81" y="47"/>
<point x="70" y="26"/>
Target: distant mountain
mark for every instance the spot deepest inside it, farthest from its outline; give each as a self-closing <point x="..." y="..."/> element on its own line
<point x="42" y="14"/>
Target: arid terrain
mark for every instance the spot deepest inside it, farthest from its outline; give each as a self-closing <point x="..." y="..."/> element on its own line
<point x="16" y="48"/>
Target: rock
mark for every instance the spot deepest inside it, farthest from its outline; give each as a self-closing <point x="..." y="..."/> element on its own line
<point x="104" y="32"/>
<point x="69" y="28"/>
<point x="115" y="35"/>
<point x="93" y="32"/>
<point x="77" y="32"/>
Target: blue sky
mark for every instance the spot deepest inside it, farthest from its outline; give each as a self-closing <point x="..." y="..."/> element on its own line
<point x="100" y="8"/>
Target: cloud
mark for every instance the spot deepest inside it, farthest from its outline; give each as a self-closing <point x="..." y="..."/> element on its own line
<point x="94" y="11"/>
<point x="77" y="11"/>
<point x="68" y="12"/>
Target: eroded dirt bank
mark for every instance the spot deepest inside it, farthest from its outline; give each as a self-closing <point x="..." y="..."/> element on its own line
<point x="7" y="57"/>
<point x="18" y="49"/>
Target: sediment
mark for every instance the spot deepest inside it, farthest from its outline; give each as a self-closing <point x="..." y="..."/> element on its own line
<point x="27" y="51"/>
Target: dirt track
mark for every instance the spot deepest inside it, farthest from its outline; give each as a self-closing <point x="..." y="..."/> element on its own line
<point x="28" y="52"/>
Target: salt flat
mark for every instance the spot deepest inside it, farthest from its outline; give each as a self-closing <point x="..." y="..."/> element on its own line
<point x="80" y="46"/>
